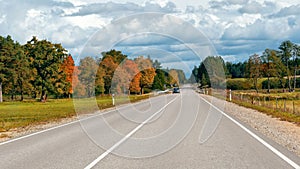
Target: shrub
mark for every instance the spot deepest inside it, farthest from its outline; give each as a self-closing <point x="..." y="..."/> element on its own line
<point x="238" y="84"/>
<point x="274" y="84"/>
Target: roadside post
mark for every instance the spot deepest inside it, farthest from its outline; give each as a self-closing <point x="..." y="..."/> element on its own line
<point x="113" y="99"/>
<point x="230" y="98"/>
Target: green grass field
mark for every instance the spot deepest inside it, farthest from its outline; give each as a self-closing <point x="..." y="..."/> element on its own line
<point x="22" y="114"/>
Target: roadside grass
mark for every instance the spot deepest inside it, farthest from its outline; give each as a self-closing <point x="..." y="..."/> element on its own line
<point x="284" y="116"/>
<point x="21" y="114"/>
<point x="284" y="106"/>
<point x="289" y="104"/>
<point x="278" y="104"/>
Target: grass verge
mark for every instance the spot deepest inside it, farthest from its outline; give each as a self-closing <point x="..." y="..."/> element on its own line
<point x="267" y="104"/>
<point x="284" y="116"/>
<point x="21" y="114"/>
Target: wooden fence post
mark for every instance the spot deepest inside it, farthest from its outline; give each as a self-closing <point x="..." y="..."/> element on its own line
<point x="294" y="107"/>
<point x="284" y="105"/>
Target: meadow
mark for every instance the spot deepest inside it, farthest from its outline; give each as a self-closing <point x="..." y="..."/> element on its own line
<point x="18" y="114"/>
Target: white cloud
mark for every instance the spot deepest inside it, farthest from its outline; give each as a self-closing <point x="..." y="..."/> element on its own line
<point x="288" y="11"/>
<point x="237" y="2"/>
<point x="252" y="8"/>
<point x="236" y="27"/>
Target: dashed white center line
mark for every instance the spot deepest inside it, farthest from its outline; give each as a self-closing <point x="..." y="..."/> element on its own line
<point x="103" y="155"/>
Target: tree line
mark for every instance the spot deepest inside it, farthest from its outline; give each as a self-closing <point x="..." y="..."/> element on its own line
<point x="279" y="66"/>
<point x="41" y="68"/>
<point x="115" y="73"/>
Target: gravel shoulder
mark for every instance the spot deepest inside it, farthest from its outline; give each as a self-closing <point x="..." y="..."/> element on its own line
<point x="282" y="132"/>
<point x="18" y="132"/>
<point x="22" y="131"/>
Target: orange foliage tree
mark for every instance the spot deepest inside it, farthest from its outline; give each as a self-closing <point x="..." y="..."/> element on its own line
<point x="135" y="84"/>
<point x="147" y="72"/>
<point x="68" y="68"/>
<point x="126" y="73"/>
<point x="105" y="73"/>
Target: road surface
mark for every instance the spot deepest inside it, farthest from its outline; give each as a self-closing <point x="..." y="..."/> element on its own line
<point x="167" y="132"/>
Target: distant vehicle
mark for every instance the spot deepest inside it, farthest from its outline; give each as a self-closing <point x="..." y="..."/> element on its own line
<point x="176" y="90"/>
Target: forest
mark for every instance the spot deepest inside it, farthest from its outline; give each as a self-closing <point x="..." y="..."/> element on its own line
<point x="40" y="68"/>
<point x="275" y="68"/>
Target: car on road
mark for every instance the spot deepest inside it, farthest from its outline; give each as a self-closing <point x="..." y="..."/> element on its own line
<point x="176" y="90"/>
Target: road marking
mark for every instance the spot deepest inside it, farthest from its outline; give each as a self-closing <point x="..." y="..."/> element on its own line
<point x="103" y="155"/>
<point x="99" y="113"/>
<point x="52" y="128"/>
<point x="274" y="150"/>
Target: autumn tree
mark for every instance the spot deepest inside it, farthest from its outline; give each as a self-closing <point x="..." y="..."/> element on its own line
<point x="147" y="72"/>
<point x="254" y="67"/>
<point x="117" y="56"/>
<point x="68" y="67"/>
<point x="135" y="86"/>
<point x="174" y="79"/>
<point x="88" y="69"/>
<point x="105" y="73"/>
<point x="107" y="67"/>
<point x="124" y="75"/>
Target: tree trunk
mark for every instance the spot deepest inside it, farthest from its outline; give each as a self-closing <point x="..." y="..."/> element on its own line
<point x="295" y="77"/>
<point x="44" y="96"/>
<point x="255" y="85"/>
<point x="22" y="96"/>
<point x="290" y="85"/>
<point x="288" y="74"/>
<point x="1" y="99"/>
<point x="268" y="84"/>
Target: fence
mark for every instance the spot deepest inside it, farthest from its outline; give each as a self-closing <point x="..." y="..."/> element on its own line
<point x="281" y="104"/>
<point x="278" y="103"/>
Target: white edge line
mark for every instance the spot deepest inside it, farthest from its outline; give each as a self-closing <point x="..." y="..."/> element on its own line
<point x="53" y="128"/>
<point x="63" y="125"/>
<point x="39" y="132"/>
<point x="103" y="155"/>
<point x="274" y="150"/>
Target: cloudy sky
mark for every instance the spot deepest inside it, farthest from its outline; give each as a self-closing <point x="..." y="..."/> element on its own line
<point x="176" y="32"/>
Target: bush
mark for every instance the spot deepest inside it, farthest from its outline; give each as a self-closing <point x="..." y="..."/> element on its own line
<point x="238" y="84"/>
<point x="147" y="90"/>
<point x="274" y="84"/>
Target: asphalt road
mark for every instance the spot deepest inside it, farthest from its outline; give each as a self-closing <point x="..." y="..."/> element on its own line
<point x="167" y="131"/>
